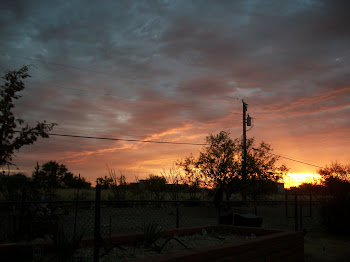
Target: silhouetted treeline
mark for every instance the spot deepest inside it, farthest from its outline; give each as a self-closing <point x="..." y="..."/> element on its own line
<point x="334" y="195"/>
<point x="43" y="183"/>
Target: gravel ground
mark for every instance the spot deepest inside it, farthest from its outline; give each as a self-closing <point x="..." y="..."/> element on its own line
<point x="182" y="243"/>
<point x="132" y="219"/>
<point x="123" y="220"/>
<point x="128" y="220"/>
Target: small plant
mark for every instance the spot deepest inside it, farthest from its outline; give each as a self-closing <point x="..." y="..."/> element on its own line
<point x="173" y="179"/>
<point x="151" y="233"/>
<point x="66" y="247"/>
<point x="117" y="184"/>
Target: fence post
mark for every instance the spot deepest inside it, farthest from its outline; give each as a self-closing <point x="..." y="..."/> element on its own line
<point x="219" y="214"/>
<point x="286" y="203"/>
<point x="310" y="205"/>
<point x="296" y="210"/>
<point x="110" y="227"/>
<point x="76" y="210"/>
<point x="177" y="216"/>
<point x="97" y="222"/>
<point x="14" y="223"/>
<point x="21" y="228"/>
<point x="301" y="216"/>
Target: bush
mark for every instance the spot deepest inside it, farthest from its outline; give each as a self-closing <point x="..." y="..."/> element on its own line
<point x="156" y="185"/>
<point x="336" y="209"/>
<point x="12" y="187"/>
<point x="336" y="214"/>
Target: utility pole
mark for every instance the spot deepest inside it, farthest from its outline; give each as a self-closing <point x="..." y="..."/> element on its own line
<point x="244" y="156"/>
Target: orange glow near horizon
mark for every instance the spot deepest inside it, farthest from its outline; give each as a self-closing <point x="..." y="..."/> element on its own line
<point x="296" y="179"/>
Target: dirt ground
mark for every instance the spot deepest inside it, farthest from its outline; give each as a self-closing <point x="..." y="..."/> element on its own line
<point x="325" y="247"/>
<point x="319" y="244"/>
<point x="118" y="220"/>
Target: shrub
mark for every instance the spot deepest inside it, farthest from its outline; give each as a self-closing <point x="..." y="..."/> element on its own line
<point x="12" y="187"/>
<point x="336" y="214"/>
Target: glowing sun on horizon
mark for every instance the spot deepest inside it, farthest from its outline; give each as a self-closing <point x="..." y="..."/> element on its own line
<point x="296" y="179"/>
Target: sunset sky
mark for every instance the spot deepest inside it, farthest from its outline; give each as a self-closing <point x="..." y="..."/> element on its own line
<point x="178" y="71"/>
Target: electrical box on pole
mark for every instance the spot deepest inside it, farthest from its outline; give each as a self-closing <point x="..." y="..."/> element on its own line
<point x="249" y="120"/>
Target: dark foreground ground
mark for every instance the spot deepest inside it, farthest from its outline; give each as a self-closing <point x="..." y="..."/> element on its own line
<point x="320" y="245"/>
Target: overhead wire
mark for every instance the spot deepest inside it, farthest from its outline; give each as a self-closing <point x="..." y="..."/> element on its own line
<point x="291" y="159"/>
<point x="167" y="142"/>
<point x="133" y="140"/>
<point x="127" y="140"/>
<point x="137" y="140"/>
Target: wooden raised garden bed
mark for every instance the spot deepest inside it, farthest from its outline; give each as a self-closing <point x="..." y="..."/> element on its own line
<point x="251" y="244"/>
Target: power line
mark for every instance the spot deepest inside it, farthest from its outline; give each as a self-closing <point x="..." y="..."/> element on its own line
<point x="128" y="140"/>
<point x="168" y="142"/>
<point x="291" y="159"/>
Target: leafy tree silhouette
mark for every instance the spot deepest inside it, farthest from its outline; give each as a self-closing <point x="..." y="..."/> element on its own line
<point x="12" y="139"/>
<point x="219" y="164"/>
<point x="52" y="175"/>
<point x="156" y="185"/>
<point x="336" y="178"/>
<point x="336" y="206"/>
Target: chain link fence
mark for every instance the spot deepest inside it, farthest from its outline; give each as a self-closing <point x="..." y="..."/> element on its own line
<point x="28" y="220"/>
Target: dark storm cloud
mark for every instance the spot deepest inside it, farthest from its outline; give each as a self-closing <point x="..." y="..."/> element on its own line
<point x="174" y="69"/>
<point x="335" y="20"/>
<point x="275" y="36"/>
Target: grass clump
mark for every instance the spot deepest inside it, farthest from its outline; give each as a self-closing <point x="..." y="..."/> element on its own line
<point x="151" y="233"/>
